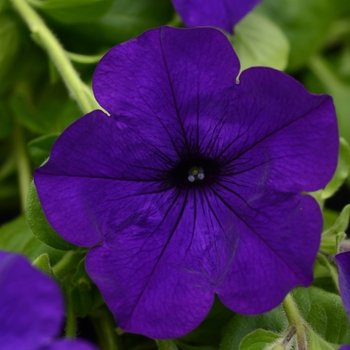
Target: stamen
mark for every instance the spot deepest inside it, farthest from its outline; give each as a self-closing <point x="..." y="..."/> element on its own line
<point x="191" y="178"/>
<point x="195" y="173"/>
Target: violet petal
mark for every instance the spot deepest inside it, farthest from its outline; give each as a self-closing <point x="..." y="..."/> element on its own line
<point x="31" y="310"/>
<point x="219" y="13"/>
<point x="163" y="71"/>
<point x="343" y="262"/>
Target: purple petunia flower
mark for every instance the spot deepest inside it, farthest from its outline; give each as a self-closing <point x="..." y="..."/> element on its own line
<point x="31" y="308"/>
<point x="218" y="13"/>
<point x="343" y="262"/>
<point x="193" y="183"/>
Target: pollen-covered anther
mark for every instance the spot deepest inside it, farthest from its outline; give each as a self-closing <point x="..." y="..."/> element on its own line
<point x="195" y="174"/>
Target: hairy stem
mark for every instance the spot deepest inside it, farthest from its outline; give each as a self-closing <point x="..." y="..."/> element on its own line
<point x="296" y="321"/>
<point x="48" y="41"/>
<point x="68" y="262"/>
<point x="70" y="328"/>
<point x="105" y="327"/>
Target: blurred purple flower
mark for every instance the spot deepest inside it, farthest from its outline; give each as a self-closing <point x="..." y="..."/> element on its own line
<point x="218" y="13"/>
<point x="193" y="184"/>
<point x="31" y="308"/>
<point x="343" y="262"/>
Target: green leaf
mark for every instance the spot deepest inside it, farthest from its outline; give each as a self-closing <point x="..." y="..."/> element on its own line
<point x="259" y="42"/>
<point x="52" y="116"/>
<point x="43" y="263"/>
<point x="240" y="326"/>
<point x="329" y="218"/>
<point x="342" y="8"/>
<point x="16" y="236"/>
<point x="324" y="313"/>
<point x="330" y="242"/>
<point x="338" y="89"/>
<point x="4" y="5"/>
<point x="127" y="19"/>
<point x="304" y="22"/>
<point x="258" y="340"/>
<point x="317" y="343"/>
<point x="74" y="11"/>
<point x="336" y="231"/>
<point x="166" y="345"/>
<point x="278" y="346"/>
<point x="325" y="274"/>
<point x="342" y="172"/>
<point x="9" y="42"/>
<point x="39" y="148"/>
<point x="334" y="235"/>
<point x="39" y="224"/>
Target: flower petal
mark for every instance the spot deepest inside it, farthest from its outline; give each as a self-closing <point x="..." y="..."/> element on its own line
<point x="161" y="283"/>
<point x="31" y="305"/>
<point x="275" y="132"/>
<point x="219" y="13"/>
<point x="278" y="239"/>
<point x="94" y="166"/>
<point x="160" y="78"/>
<point x="343" y="262"/>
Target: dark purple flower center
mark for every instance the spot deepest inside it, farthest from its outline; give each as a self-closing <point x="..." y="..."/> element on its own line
<point x="194" y="171"/>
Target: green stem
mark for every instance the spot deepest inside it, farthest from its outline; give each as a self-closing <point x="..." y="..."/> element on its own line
<point x="296" y="321"/>
<point x="23" y="166"/>
<point x="69" y="261"/>
<point x="83" y="58"/>
<point x="105" y="327"/>
<point x="289" y="336"/>
<point x="71" y="323"/>
<point x="45" y="37"/>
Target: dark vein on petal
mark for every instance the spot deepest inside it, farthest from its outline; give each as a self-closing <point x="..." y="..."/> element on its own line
<point x="274" y="132"/>
<point x="163" y="250"/>
<point x="213" y="211"/>
<point x="145" y="193"/>
<point x="173" y="93"/>
<point x="194" y="219"/>
<point x="197" y="123"/>
<point x="166" y="130"/>
<point x="100" y="177"/>
<point x="234" y="192"/>
<point x="256" y="233"/>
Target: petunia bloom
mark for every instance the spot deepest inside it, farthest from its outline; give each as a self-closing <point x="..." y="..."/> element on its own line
<point x="343" y="262"/>
<point x="193" y="184"/>
<point x="218" y="13"/>
<point x="31" y="308"/>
